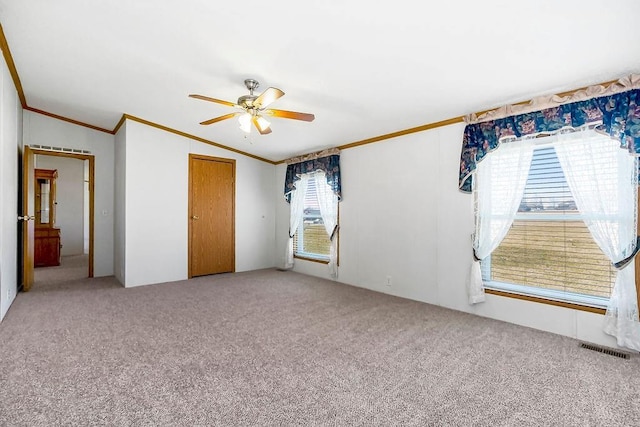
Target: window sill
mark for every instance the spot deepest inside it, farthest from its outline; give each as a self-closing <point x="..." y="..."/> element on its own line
<point x="312" y="259"/>
<point x="595" y="306"/>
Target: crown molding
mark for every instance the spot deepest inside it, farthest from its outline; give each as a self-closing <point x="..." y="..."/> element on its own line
<point x="187" y="135"/>
<point x="119" y="124"/>
<point x="66" y="119"/>
<point x="6" y="52"/>
<point x="402" y="132"/>
<point x="4" y="46"/>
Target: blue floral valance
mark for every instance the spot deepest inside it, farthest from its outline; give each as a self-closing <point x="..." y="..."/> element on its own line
<point x="330" y="165"/>
<point x="617" y="115"/>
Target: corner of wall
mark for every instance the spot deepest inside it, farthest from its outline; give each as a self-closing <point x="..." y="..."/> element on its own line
<point x="119" y="204"/>
<point x="281" y="217"/>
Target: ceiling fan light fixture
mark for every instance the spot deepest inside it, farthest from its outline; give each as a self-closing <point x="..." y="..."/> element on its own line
<point x="253" y="108"/>
<point x="245" y="122"/>
<point x="263" y="123"/>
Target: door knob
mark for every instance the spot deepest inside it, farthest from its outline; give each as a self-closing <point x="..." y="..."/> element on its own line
<point x="26" y="218"/>
<point x="195" y="217"/>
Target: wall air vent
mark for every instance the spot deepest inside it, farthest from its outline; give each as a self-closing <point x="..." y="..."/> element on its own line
<point x="60" y="149"/>
<point x="605" y="350"/>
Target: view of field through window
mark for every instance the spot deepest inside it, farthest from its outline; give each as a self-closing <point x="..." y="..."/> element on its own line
<point x="557" y="255"/>
<point x="315" y="240"/>
<point x="549" y="246"/>
<point x="311" y="238"/>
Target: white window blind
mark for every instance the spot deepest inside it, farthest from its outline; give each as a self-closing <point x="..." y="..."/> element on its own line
<point x="549" y="250"/>
<point x="311" y="239"/>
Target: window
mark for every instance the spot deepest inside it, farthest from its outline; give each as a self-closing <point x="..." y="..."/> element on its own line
<point x="311" y="239"/>
<point x="549" y="251"/>
<point x="312" y="189"/>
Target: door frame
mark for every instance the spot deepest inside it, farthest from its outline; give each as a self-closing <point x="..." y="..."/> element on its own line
<point x="79" y="156"/>
<point x="193" y="157"/>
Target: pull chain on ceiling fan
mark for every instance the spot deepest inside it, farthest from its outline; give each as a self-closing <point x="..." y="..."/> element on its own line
<point x="254" y="108"/>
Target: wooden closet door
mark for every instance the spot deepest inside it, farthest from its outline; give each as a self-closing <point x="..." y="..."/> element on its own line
<point x="211" y="215"/>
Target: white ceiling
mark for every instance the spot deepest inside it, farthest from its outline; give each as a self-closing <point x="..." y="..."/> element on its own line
<point x="363" y="68"/>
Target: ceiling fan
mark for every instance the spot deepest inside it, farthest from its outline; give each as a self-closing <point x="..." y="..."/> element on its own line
<point x="254" y="108"/>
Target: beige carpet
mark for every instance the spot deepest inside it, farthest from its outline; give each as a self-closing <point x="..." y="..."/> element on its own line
<point x="72" y="267"/>
<point x="279" y="348"/>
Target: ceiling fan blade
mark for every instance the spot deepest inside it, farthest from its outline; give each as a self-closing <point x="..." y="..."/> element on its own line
<point x="218" y="101"/>
<point x="267" y="97"/>
<point x="219" y="119"/>
<point x="262" y="129"/>
<point x="305" y="117"/>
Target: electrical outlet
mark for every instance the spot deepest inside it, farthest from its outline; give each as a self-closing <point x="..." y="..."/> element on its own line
<point x="389" y="281"/>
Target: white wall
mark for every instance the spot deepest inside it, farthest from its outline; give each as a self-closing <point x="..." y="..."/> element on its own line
<point x="46" y="131"/>
<point x="10" y="143"/>
<point x="69" y="200"/>
<point x="403" y="216"/>
<point x="155" y="193"/>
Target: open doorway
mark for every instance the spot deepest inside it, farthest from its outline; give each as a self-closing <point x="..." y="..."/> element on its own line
<point x="63" y="229"/>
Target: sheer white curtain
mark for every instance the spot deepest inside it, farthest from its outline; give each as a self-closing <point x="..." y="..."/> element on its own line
<point x="328" y="201"/>
<point x="499" y="185"/>
<point x="295" y="217"/>
<point x="608" y="205"/>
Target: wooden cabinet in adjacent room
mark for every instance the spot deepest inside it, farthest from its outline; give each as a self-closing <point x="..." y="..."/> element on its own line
<point x="47" y="247"/>
<point x="47" y="235"/>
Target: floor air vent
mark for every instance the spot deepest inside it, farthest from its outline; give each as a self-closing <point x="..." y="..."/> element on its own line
<point x="605" y="350"/>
